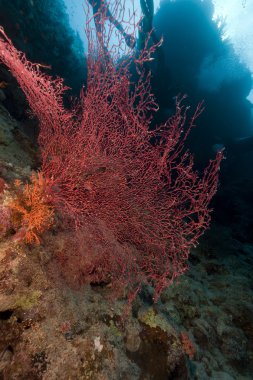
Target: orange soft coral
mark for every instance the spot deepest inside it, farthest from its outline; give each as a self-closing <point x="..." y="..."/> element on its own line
<point x="32" y="213"/>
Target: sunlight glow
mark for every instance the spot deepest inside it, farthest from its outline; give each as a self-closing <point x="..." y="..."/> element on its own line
<point x="237" y="15"/>
<point x="238" y="18"/>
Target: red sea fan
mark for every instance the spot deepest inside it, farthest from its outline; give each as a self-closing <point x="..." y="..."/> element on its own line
<point x="106" y="165"/>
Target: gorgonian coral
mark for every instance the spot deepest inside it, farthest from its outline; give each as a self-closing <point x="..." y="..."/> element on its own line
<point x="105" y="165"/>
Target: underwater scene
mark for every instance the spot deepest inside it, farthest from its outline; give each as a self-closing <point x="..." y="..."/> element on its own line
<point x="126" y="206"/>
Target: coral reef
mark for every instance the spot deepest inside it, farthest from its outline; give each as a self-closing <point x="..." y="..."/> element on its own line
<point x="31" y="213"/>
<point x="102" y="168"/>
<point x="115" y="209"/>
<point x="50" y="331"/>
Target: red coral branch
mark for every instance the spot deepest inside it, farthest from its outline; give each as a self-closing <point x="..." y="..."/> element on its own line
<point x="106" y="165"/>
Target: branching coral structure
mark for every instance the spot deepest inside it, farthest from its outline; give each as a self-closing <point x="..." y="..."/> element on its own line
<point x="105" y="165"/>
<point x="31" y="212"/>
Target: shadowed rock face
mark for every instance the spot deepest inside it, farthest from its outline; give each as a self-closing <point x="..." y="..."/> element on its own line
<point x="42" y="31"/>
<point x="199" y="63"/>
<point x="159" y="355"/>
